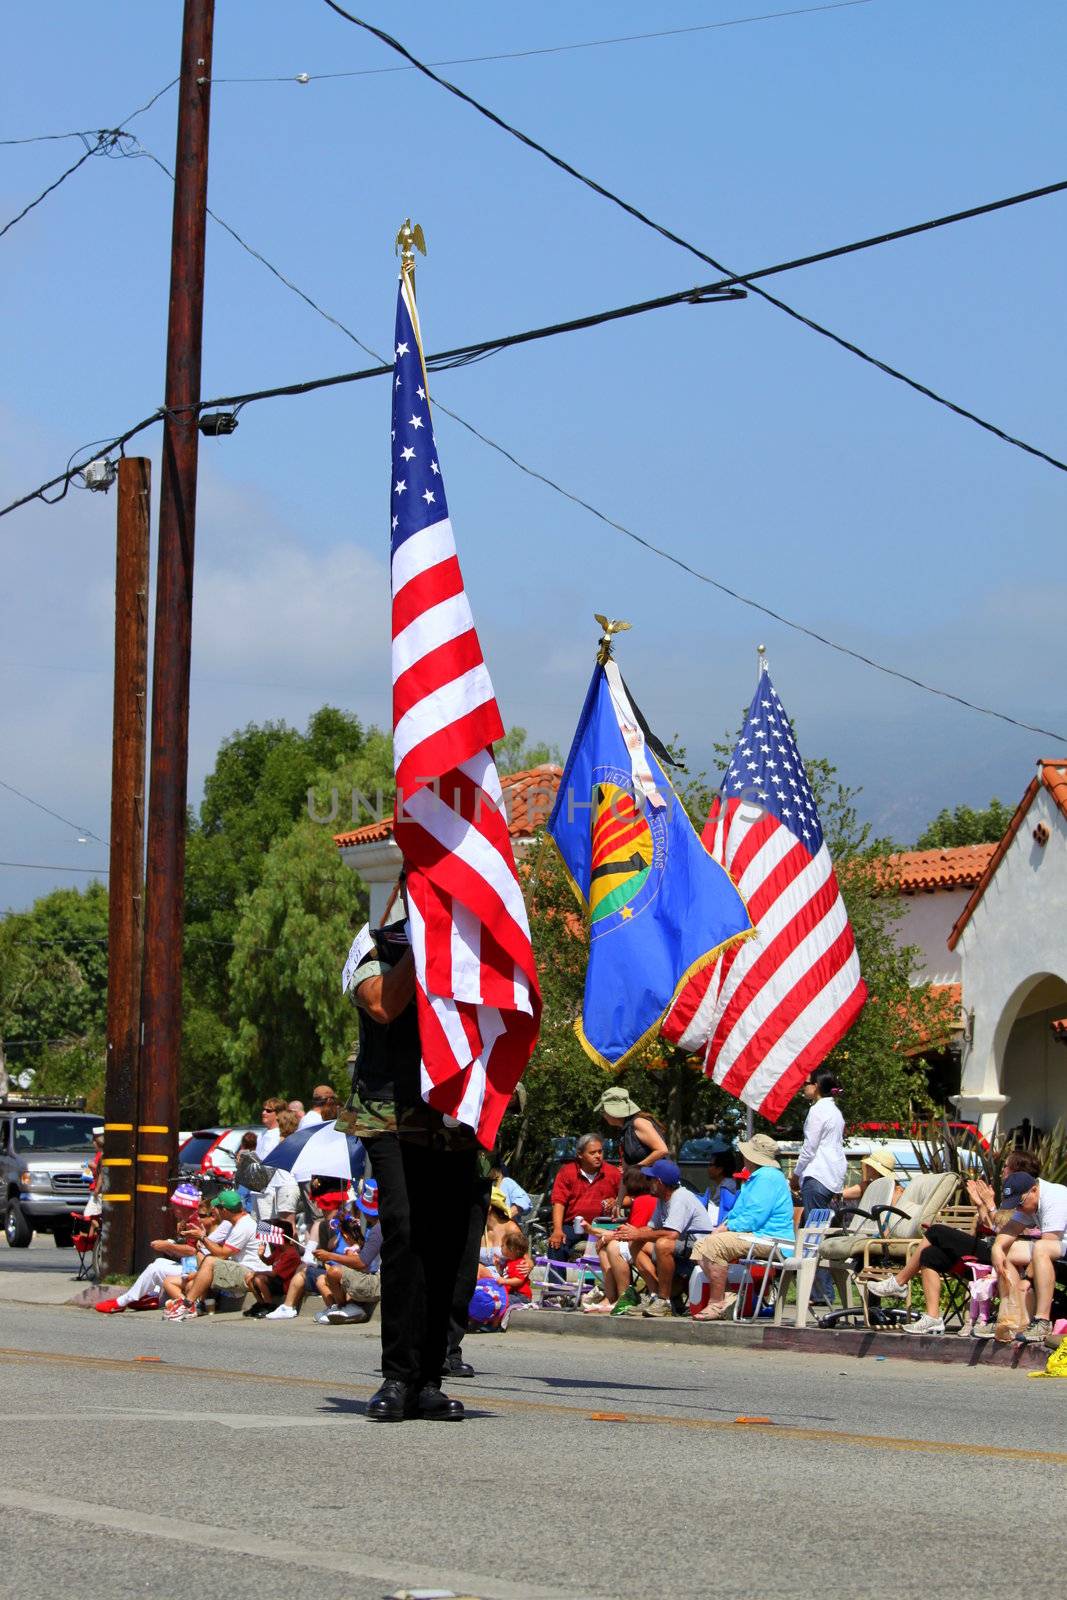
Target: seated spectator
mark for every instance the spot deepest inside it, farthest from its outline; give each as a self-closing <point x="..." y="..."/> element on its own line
<point x="878" y="1164"/>
<point x="584" y="1189"/>
<point x="724" y="1182"/>
<point x="519" y="1203"/>
<point x="661" y="1249"/>
<point x="636" y="1205"/>
<point x="281" y="1262"/>
<point x="1039" y="1205"/>
<point x="762" y="1214"/>
<point x="281" y="1198"/>
<point x="355" y="1286"/>
<point x="143" y="1294"/>
<point x="514" y="1266"/>
<point x="228" y="1263"/>
<point x="333" y="1235"/>
<point x="946" y="1247"/>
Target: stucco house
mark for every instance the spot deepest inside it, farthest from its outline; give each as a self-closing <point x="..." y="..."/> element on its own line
<point x="990" y="923"/>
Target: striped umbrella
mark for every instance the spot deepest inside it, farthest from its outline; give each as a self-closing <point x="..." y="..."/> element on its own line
<point x="319" y="1150"/>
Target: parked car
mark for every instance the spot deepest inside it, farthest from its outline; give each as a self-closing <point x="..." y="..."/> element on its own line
<point x="212" y="1152"/>
<point x="45" y="1153"/>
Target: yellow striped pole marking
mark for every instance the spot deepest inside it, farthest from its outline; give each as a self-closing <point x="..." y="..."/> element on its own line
<point x="110" y="1199"/>
<point x="151" y="1188"/>
<point x="152" y="1127"/>
<point x="164" y="1159"/>
<point x="118" y="1127"/>
<point x="117" y="1161"/>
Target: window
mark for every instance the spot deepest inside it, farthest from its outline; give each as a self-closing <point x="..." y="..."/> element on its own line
<point x="54" y="1135"/>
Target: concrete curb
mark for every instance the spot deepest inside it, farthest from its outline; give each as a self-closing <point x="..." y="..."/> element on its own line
<point x="860" y="1344"/>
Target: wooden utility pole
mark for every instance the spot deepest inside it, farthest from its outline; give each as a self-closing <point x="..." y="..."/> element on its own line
<point x="161" y="994"/>
<point x="126" y="891"/>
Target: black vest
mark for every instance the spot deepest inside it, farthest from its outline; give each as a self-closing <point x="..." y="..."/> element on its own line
<point x="389" y="1056"/>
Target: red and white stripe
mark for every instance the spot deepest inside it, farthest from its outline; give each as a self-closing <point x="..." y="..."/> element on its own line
<point x="478" y="999"/>
<point x="770" y="1010"/>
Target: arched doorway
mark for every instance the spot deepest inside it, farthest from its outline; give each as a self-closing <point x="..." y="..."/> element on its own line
<point x="1032" y="1056"/>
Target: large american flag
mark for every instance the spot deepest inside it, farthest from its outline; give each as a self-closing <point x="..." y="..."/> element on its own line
<point x="478" y="1000"/>
<point x="770" y="1010"/>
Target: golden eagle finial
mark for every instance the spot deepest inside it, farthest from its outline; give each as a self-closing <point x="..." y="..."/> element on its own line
<point x="409" y="239"/>
<point x="611" y="628"/>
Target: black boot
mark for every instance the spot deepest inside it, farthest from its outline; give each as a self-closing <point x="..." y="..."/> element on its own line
<point x="393" y="1402"/>
<point x="456" y="1367"/>
<point x="433" y="1406"/>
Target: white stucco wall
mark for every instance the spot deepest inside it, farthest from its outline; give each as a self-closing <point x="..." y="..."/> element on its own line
<point x="1014" y="943"/>
<point x="927" y="923"/>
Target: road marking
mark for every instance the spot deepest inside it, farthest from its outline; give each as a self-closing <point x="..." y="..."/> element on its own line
<point x="194" y="1534"/>
<point x="995" y="1452"/>
<point x="237" y="1420"/>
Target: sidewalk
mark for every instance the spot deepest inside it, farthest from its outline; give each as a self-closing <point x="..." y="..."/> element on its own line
<point x="863" y="1343"/>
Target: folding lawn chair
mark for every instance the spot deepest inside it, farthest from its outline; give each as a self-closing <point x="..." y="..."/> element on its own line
<point x="561" y="1285"/>
<point x="86" y="1239"/>
<point x="802" y="1264"/>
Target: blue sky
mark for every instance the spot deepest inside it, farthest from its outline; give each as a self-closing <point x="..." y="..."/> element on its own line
<point x="751" y="447"/>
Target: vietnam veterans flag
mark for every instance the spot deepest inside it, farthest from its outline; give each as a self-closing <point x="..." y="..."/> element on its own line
<point x="479" y="1005"/>
<point x="766" y="1016"/>
<point x="659" y="908"/>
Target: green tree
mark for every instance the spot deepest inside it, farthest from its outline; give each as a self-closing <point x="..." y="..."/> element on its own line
<point x="290" y="1025"/>
<point x="513" y="754"/>
<point x="53" y="992"/>
<point x="966" y="826"/>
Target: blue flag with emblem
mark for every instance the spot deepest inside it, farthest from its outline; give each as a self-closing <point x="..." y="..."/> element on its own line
<point x="658" y="907"/>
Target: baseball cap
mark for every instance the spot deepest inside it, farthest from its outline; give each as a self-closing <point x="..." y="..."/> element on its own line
<point x="666" y="1171"/>
<point x="1018" y="1184"/>
<point x="229" y="1200"/>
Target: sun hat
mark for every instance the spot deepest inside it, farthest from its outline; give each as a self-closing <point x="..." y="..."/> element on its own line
<point x="367" y="1198"/>
<point x="229" y="1200"/>
<point x="331" y="1200"/>
<point x="668" y="1172"/>
<point x="761" y="1150"/>
<point x="884" y="1162"/>
<point x="186" y="1196"/>
<point x="618" y="1102"/>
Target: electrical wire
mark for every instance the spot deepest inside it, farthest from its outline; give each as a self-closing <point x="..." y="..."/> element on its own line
<point x="41" y="866"/>
<point x="87" y="832"/>
<point x="101" y="142"/>
<point x="554" y="49"/>
<point x="685" y="244"/>
<point x="94" y="133"/>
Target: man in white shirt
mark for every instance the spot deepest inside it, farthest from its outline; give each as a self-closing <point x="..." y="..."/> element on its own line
<point x="1035" y="1204"/>
<point x="270" y="1135"/>
<point x="678" y="1219"/>
<point x="228" y="1262"/>
<point x="323" y="1106"/>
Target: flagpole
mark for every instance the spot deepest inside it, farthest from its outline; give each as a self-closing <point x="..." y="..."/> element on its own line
<point x="761" y="659"/>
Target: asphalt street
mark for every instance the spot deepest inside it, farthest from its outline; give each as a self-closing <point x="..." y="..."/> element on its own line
<point x="145" y="1458"/>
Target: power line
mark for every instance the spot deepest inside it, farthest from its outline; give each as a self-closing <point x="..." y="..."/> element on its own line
<point x="93" y="133"/>
<point x="685" y="244"/>
<point x="552" y="49"/>
<point x="102" y="142"/>
<point x="87" y="832"/>
<point x="41" y="866"/>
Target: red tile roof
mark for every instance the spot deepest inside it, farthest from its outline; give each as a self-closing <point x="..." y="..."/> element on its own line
<point x="528" y="799"/>
<point x="1051" y="775"/>
<point x="923" y="871"/>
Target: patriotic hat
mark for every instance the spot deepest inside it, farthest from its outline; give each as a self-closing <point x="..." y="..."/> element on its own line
<point x="186" y="1197"/>
<point x="332" y="1200"/>
<point x="487" y="1301"/>
<point x="367" y="1198"/>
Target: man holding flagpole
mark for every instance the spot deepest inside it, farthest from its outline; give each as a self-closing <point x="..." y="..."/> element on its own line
<point x="448" y="995"/>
